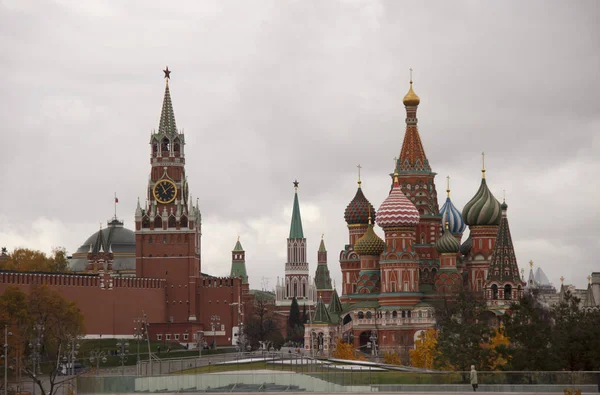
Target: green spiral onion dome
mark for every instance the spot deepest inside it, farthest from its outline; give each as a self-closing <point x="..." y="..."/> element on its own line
<point x="369" y="243"/>
<point x="447" y="244"/>
<point x="483" y="209"/>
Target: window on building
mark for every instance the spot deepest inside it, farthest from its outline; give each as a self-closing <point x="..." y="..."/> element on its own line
<point x="507" y="292"/>
<point x="494" y="292"/>
<point x="185" y="336"/>
<point x="177" y="336"/>
<point x="361" y="315"/>
<point x="158" y="337"/>
<point x="369" y="315"/>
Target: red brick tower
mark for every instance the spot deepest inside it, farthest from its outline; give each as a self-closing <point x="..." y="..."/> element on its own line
<point x="417" y="182"/>
<point x="168" y="228"/>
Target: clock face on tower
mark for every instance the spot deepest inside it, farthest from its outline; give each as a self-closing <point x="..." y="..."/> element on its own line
<point x="165" y="191"/>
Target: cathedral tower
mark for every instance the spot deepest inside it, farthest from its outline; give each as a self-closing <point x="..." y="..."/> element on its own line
<point x="417" y="182"/>
<point x="322" y="276"/>
<point x="168" y="226"/>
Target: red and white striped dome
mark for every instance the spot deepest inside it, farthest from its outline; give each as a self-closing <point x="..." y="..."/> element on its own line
<point x="396" y="210"/>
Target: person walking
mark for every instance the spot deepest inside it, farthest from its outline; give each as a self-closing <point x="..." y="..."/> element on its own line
<point x="474" y="378"/>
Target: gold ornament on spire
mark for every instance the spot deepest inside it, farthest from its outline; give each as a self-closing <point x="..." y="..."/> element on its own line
<point x="359" y="181"/>
<point x="411" y="99"/>
<point x="589" y="279"/>
<point x="448" y="185"/>
<point x="483" y="165"/>
<point x="531" y="264"/>
<point x="562" y="280"/>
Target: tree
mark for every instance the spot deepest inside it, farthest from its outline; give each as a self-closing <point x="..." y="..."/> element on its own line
<point x="43" y="317"/>
<point x="391" y="357"/>
<point x="262" y="325"/>
<point x="528" y="326"/>
<point x="574" y="338"/>
<point x="498" y="343"/>
<point x="295" y="329"/>
<point x="345" y="350"/>
<point x="26" y="260"/>
<point x="423" y="355"/>
<point x="462" y="329"/>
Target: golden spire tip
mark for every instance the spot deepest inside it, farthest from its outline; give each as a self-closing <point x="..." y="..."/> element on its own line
<point x="562" y="280"/>
<point x="589" y="279"/>
<point x="483" y="165"/>
<point x="531" y="264"/>
<point x="448" y="185"/>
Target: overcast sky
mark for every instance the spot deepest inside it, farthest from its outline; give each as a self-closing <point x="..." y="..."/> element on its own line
<point x="270" y="91"/>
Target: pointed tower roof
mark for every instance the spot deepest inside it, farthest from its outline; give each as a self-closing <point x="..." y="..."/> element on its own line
<point x="335" y="306"/>
<point x="167" y="116"/>
<point x="531" y="283"/>
<point x="412" y="155"/>
<point x="563" y="290"/>
<point x="589" y="300"/>
<point x="322" y="245"/>
<point x="296" y="231"/>
<point x="321" y="315"/>
<point x="238" y="263"/>
<point x="238" y="246"/>
<point x="503" y="263"/>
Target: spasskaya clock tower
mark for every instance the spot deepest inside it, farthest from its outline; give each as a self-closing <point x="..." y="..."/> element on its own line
<point x="168" y="227"/>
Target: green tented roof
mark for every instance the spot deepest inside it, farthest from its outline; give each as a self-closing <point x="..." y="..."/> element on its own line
<point x="296" y="231"/>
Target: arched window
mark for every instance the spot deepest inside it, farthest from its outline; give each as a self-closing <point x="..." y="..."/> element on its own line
<point x="369" y="315"/>
<point x="403" y="314"/>
<point x="361" y="315"/>
<point x="154" y="147"/>
<point x="408" y="314"/>
<point x="507" y="292"/>
<point x="303" y="289"/>
<point x="295" y="289"/>
<point x="165" y="146"/>
<point x="494" y="292"/>
<point x="394" y="314"/>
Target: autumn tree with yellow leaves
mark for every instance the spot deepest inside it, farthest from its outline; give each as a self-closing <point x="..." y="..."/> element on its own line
<point x="345" y="350"/>
<point x="423" y="355"/>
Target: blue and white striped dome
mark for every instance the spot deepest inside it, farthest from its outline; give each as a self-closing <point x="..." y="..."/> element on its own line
<point x="450" y="214"/>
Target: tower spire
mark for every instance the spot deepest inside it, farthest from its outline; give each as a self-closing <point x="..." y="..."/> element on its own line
<point x="359" y="181"/>
<point x="167" y="116"/>
<point x="483" y="165"/>
<point x="412" y="156"/>
<point x="448" y="186"/>
<point x="296" y="231"/>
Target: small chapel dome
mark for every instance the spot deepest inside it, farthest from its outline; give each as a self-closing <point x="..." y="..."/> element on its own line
<point x="447" y="244"/>
<point x="396" y="210"/>
<point x="451" y="215"/>
<point x="369" y="243"/>
<point x="357" y="212"/>
<point x="411" y="99"/>
<point x="483" y="209"/>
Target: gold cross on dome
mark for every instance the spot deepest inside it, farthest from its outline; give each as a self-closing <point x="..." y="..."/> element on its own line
<point x="359" y="167"/>
<point x="562" y="280"/>
<point x="531" y="264"/>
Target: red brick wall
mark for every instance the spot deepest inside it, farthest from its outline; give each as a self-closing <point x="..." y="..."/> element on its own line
<point x="107" y="312"/>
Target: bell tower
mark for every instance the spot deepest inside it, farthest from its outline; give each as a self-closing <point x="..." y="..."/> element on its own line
<point x="168" y="226"/>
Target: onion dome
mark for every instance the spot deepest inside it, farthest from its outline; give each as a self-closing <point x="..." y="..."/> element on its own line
<point x="396" y="210"/>
<point x="369" y="243"/>
<point x="357" y="212"/>
<point x="483" y="209"/>
<point x="447" y="244"/>
<point x="451" y="215"/>
<point x="465" y="248"/>
<point x="411" y="98"/>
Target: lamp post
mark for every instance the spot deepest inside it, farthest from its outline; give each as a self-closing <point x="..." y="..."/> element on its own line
<point x="241" y="341"/>
<point x="139" y="332"/>
<point x="72" y="351"/>
<point x="199" y="343"/>
<point x="5" y="356"/>
<point x="36" y="346"/>
<point x="97" y="356"/>
<point x="122" y="351"/>
<point x="215" y="320"/>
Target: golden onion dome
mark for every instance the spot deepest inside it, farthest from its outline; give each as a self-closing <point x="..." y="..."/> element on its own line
<point x="411" y="98"/>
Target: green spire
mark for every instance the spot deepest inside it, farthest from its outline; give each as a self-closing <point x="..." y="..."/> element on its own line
<point x="238" y="246"/>
<point x="167" y="116"/>
<point x="296" y="227"/>
<point x="322" y="246"/>
<point x="321" y="314"/>
<point x="335" y="306"/>
<point x="238" y="262"/>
